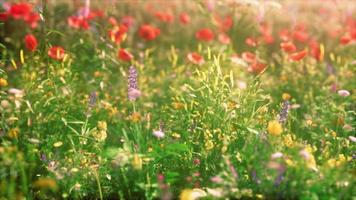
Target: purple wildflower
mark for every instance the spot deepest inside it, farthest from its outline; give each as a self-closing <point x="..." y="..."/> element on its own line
<point x="255" y="178"/>
<point x="133" y="92"/>
<point x="343" y="93"/>
<point x="283" y="114"/>
<point x="92" y="99"/>
<point x="279" y="179"/>
<point x="43" y="157"/>
<point x="91" y="103"/>
<point x="330" y="69"/>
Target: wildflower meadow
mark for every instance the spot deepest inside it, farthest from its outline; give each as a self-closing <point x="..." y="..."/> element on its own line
<point x="177" y="99"/>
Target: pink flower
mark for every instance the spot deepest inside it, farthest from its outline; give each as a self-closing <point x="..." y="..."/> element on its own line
<point x="276" y="155"/>
<point x="134" y="94"/>
<point x="216" y="179"/>
<point x="352" y="138"/>
<point x="158" y="133"/>
<point x="343" y="93"/>
<point x="195" y="58"/>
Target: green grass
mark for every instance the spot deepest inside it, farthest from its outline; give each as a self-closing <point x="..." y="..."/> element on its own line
<point x="58" y="141"/>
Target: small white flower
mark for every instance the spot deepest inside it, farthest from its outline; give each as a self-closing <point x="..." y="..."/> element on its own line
<point x="352" y="138"/>
<point x="215" y="192"/>
<point x="242" y="85"/>
<point x="347" y="127"/>
<point x="16" y="92"/>
<point x="158" y="133"/>
<point x="305" y="154"/>
<point x="276" y="155"/>
<point x="343" y="93"/>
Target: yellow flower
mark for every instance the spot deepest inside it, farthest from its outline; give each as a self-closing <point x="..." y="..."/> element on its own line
<point x="288" y="141"/>
<point x="309" y="122"/>
<point x="286" y="96"/>
<point x="58" y="144"/>
<point x="289" y="162"/>
<point x="209" y="145"/>
<point x="332" y="163"/>
<point x="45" y="183"/>
<point x="192" y="194"/>
<point x="102" y="125"/>
<point x="338" y="162"/>
<point x="100" y="135"/>
<point x="178" y="105"/>
<point x="309" y="158"/>
<point x="283" y="78"/>
<point x="97" y="74"/>
<point x="340" y="121"/>
<point x="137" y="162"/>
<point x="186" y="194"/>
<point x="3" y="82"/>
<point x="135" y="117"/>
<point x="333" y="133"/>
<point x="14" y="133"/>
<point x="274" y="128"/>
<point x="113" y="111"/>
<point x="246" y="193"/>
<point x="175" y="135"/>
<point x="232" y="105"/>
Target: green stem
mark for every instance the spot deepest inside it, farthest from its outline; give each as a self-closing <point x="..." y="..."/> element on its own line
<point x="99" y="185"/>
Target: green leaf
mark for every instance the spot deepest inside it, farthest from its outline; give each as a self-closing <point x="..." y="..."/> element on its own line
<point x="177" y="147"/>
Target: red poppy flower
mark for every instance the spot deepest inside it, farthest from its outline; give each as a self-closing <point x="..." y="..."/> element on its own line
<point x="184" y="18"/>
<point x="225" y="23"/>
<point x="20" y="10"/>
<point x="148" y="32"/>
<point x="204" y="34"/>
<point x="297" y="56"/>
<point x="248" y="57"/>
<point x="268" y="38"/>
<point x="300" y="36"/>
<point x="112" y="21"/>
<point x="94" y="14"/>
<point x="265" y="28"/>
<point x="195" y="58"/>
<point x="224" y="38"/>
<point x="32" y="19"/>
<point x="31" y="42"/>
<point x="4" y="16"/>
<point x="256" y="67"/>
<point x="124" y="55"/>
<point x="335" y="32"/>
<point x="128" y="21"/>
<point x="251" y="42"/>
<point x="353" y="33"/>
<point x="73" y="21"/>
<point x="56" y="52"/>
<point x="164" y="16"/>
<point x="117" y="33"/>
<point x="284" y="35"/>
<point x="78" y="22"/>
<point x="345" y="39"/>
<point x="315" y="50"/>
<point x="288" y="47"/>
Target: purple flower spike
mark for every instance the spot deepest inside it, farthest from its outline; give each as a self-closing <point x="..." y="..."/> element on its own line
<point x="133" y="92"/>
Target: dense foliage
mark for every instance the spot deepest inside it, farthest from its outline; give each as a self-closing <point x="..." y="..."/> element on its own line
<point x="177" y="99"/>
